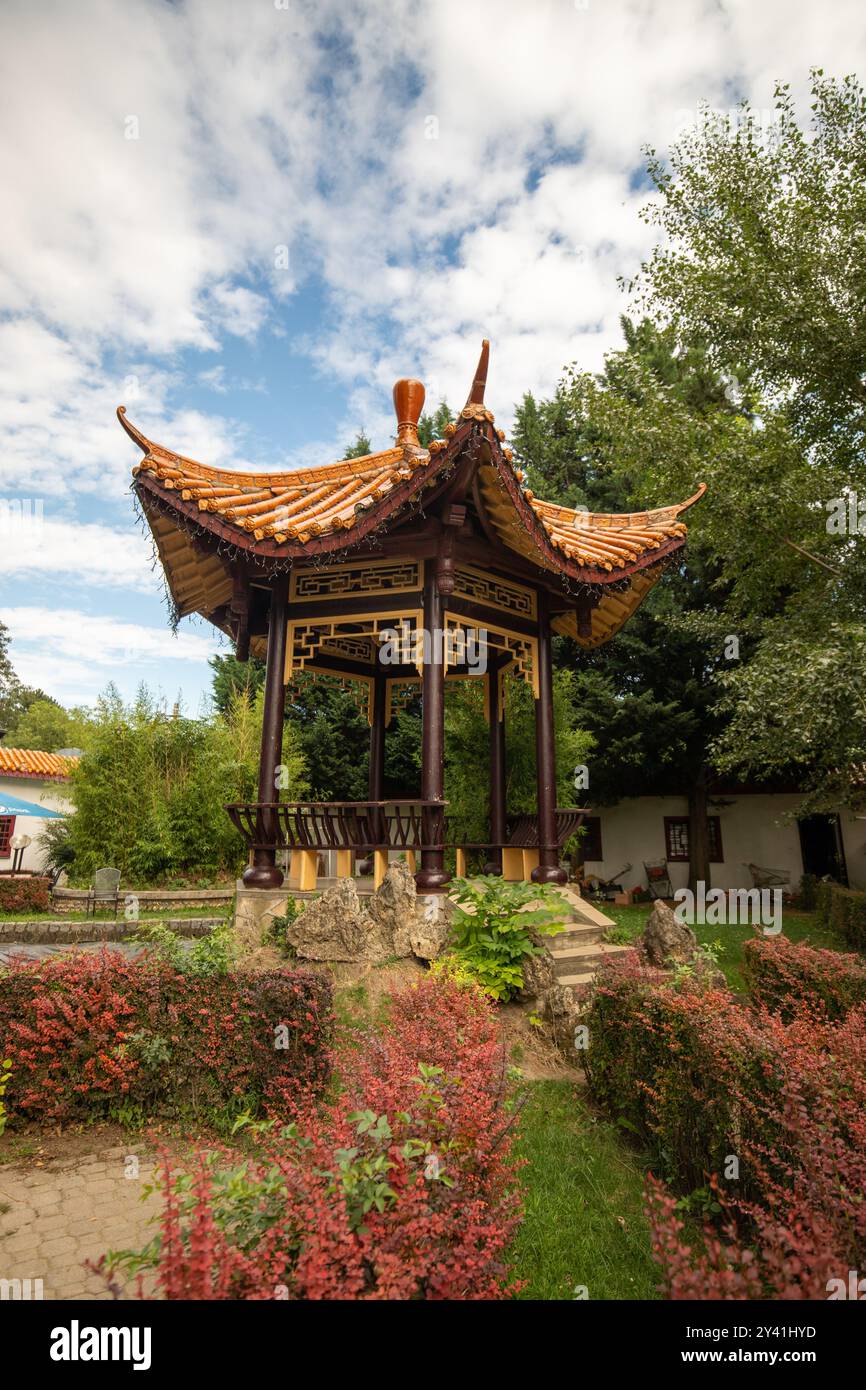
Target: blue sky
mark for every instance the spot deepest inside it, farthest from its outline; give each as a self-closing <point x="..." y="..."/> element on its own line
<point x="245" y="221"/>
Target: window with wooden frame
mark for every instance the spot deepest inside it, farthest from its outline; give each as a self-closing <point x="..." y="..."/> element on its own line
<point x="590" y="840"/>
<point x="7" y="830"/>
<point x="677" y="839"/>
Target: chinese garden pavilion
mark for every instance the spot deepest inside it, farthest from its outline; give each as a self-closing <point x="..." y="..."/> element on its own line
<point x="318" y="568"/>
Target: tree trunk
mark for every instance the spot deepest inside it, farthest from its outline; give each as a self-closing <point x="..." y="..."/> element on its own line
<point x="699" y="834"/>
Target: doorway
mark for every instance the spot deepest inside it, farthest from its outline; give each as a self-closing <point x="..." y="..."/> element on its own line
<point x="822" y="849"/>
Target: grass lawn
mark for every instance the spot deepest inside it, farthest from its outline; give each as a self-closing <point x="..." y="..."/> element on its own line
<point x="583" y="1193"/>
<point x="796" y="925"/>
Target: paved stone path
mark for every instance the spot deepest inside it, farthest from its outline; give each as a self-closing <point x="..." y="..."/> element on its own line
<point x="54" y="1218"/>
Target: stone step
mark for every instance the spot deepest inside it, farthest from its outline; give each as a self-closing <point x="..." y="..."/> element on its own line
<point x="584" y="958"/>
<point x="567" y="941"/>
<point x="585" y="977"/>
<point x="593" y="950"/>
<point x="581" y="911"/>
<point x="580" y="949"/>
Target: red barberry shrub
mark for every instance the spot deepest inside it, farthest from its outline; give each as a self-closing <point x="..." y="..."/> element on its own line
<point x="783" y="975"/>
<point x="402" y="1188"/>
<point x="806" y="1225"/>
<point x="844" y="909"/>
<point x="90" y="1031"/>
<point x="25" y="894"/>
<point x="705" y="1079"/>
<point x="765" y="1254"/>
<point x="677" y="1065"/>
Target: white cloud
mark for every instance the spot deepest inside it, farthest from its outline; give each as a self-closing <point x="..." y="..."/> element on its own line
<point x="73" y="655"/>
<point x="36" y="545"/>
<point x="261" y="128"/>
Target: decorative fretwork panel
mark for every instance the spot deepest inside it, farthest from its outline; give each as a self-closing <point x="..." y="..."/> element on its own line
<point x="474" y="640"/>
<point x="494" y="592"/>
<point x="399" y="694"/>
<point x="360" y="649"/>
<point x="360" y="688"/>
<point x="350" y="637"/>
<point x="340" y="581"/>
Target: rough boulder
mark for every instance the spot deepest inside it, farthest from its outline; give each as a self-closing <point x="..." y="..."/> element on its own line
<point x="391" y="924"/>
<point x="666" y="941"/>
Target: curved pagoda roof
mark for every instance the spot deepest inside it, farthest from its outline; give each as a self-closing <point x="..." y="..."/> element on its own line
<point x="210" y="522"/>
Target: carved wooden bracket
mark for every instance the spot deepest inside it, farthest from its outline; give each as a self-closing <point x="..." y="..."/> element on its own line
<point x="239" y="615"/>
<point x="584" y="609"/>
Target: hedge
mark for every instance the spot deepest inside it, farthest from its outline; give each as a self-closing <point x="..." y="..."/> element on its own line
<point x="705" y="1080"/>
<point x="403" y="1187"/>
<point x="25" y="894"/>
<point x="94" y="1034"/>
<point x="676" y="1067"/>
<point x="785" y="977"/>
<point x="845" y="910"/>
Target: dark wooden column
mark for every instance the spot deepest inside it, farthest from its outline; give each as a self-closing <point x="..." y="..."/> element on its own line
<point x="376" y="771"/>
<point x="376" y="776"/>
<point x="432" y="875"/>
<point x="548" y="870"/>
<point x="494" y="679"/>
<point x="263" y="872"/>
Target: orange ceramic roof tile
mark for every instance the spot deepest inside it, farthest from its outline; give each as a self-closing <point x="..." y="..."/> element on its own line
<point x="27" y="762"/>
<point x="611" y="539"/>
<point x="323" y="504"/>
<point x="295" y="504"/>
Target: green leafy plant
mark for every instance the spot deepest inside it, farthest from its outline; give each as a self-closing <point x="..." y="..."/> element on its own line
<point x="208" y="955"/>
<point x="492" y="929"/>
<point x="276" y="926"/>
<point x="5" y="1073"/>
<point x="701" y="1202"/>
<point x="705" y="959"/>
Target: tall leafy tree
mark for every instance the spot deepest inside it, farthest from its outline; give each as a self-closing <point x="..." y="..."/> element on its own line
<point x="467" y="767"/>
<point x="432" y="425"/>
<point x="763" y="260"/>
<point x="232" y="677"/>
<point x="49" y="727"/>
<point x="15" y="697"/>
<point x="649" y="697"/>
<point x="360" y="448"/>
<point x="149" y="796"/>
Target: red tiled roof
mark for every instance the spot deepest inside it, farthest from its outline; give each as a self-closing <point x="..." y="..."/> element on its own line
<point x="28" y="762"/>
<point x="305" y="503"/>
<point x="311" y="513"/>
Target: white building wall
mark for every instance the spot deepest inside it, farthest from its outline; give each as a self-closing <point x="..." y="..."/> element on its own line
<point x="753" y="830"/>
<point x="53" y="795"/>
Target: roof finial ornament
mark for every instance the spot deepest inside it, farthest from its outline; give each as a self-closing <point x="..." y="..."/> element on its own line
<point x="408" y="404"/>
<point x="476" y="395"/>
<point x="475" y="409"/>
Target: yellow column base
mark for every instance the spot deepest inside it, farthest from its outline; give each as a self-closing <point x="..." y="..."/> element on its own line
<point x="461" y="863"/>
<point x="530" y="862"/>
<point x="345" y="866"/>
<point x="295" y="869"/>
<point x="512" y="865"/>
<point x="308" y="869"/>
<point x="410" y="860"/>
<point x="380" y="866"/>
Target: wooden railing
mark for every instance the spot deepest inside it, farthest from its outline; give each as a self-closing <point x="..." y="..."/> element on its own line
<point x="370" y="825"/>
<point x="363" y="826"/>
<point x="523" y="830"/>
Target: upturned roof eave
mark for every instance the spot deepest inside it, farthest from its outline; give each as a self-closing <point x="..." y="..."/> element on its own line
<point x="401" y="496"/>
